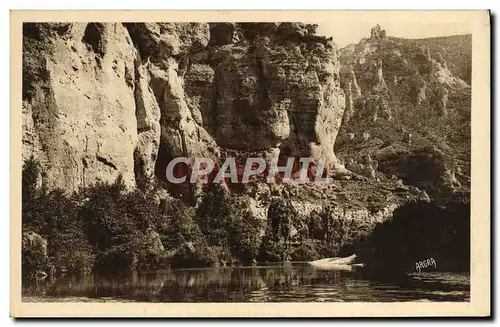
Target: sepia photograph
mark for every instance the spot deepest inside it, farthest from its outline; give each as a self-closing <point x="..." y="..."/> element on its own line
<point x="322" y="159"/>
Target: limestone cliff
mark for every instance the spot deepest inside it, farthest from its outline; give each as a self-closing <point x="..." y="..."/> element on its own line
<point x="406" y="110"/>
<point x="102" y="99"/>
<point x="107" y="99"/>
<point x="394" y="70"/>
<point x="78" y="102"/>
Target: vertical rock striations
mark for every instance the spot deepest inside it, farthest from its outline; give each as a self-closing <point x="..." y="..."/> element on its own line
<point x="78" y="108"/>
<point x="102" y="99"/>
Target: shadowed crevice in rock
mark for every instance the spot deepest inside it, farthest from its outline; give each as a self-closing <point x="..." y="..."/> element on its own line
<point x="94" y="38"/>
<point x="106" y="162"/>
<point x="30" y="30"/>
<point x="141" y="41"/>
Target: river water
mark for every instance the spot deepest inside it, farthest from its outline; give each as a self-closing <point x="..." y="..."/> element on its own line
<point x="288" y="282"/>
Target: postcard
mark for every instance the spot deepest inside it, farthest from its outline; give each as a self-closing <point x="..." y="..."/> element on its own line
<point x="250" y="163"/>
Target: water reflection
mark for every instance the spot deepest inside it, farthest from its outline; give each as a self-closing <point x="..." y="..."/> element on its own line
<point x="275" y="283"/>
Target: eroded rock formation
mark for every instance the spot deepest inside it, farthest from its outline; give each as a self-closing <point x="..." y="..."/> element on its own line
<point x="102" y="99"/>
<point x="391" y="70"/>
<point x="404" y="96"/>
<point x="78" y="102"/>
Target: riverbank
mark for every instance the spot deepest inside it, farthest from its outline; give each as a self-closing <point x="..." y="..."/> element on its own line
<point x="106" y="229"/>
<point x="290" y="282"/>
<point x="71" y="299"/>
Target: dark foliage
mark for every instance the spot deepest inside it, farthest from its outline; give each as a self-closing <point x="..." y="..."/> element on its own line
<point x="308" y="250"/>
<point x="32" y="261"/>
<point x="227" y="222"/>
<point x="105" y="226"/>
<point x="54" y="216"/>
<point x="419" y="231"/>
<point x="214" y="214"/>
<point x="281" y="217"/>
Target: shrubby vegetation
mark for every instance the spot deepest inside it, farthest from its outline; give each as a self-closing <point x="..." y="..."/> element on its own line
<point x="281" y="218"/>
<point x="52" y="214"/>
<point x="228" y="224"/>
<point x="109" y="229"/>
<point x="290" y="236"/>
<point x="418" y="231"/>
<point x="105" y="227"/>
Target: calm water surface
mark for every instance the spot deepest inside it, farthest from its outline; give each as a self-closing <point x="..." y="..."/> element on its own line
<point x="291" y="282"/>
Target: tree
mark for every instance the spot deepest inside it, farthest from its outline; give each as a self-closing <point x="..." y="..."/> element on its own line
<point x="244" y="232"/>
<point x="280" y="215"/>
<point x="54" y="216"/>
<point x="213" y="214"/>
<point x="30" y="195"/>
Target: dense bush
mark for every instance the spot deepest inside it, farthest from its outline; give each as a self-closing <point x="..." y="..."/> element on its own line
<point x="181" y="226"/>
<point x="317" y="228"/>
<point x="108" y="228"/>
<point x="420" y="231"/>
<point x="281" y="218"/>
<point x="102" y="226"/>
<point x="228" y="223"/>
<point x="280" y="215"/>
<point x="308" y="250"/>
<point x="54" y="216"/>
<point x="30" y="195"/>
<point x="113" y="221"/>
<point x="204" y="256"/>
<point x="69" y="248"/>
<point x="32" y="260"/>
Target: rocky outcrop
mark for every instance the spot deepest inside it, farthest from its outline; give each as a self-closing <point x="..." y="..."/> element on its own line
<point x="103" y="99"/>
<point x="405" y="98"/>
<point x="107" y="99"/>
<point x="377" y="33"/>
<point x="396" y="71"/>
<point x="279" y="98"/>
<point x="78" y="106"/>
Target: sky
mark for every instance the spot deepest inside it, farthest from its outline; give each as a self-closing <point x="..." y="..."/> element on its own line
<point x="345" y="33"/>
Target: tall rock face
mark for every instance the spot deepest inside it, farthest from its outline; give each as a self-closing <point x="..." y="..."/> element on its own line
<point x="103" y="99"/>
<point x="78" y="102"/>
<point x="277" y="86"/>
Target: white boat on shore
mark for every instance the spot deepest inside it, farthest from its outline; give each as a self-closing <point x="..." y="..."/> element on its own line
<point x="336" y="263"/>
